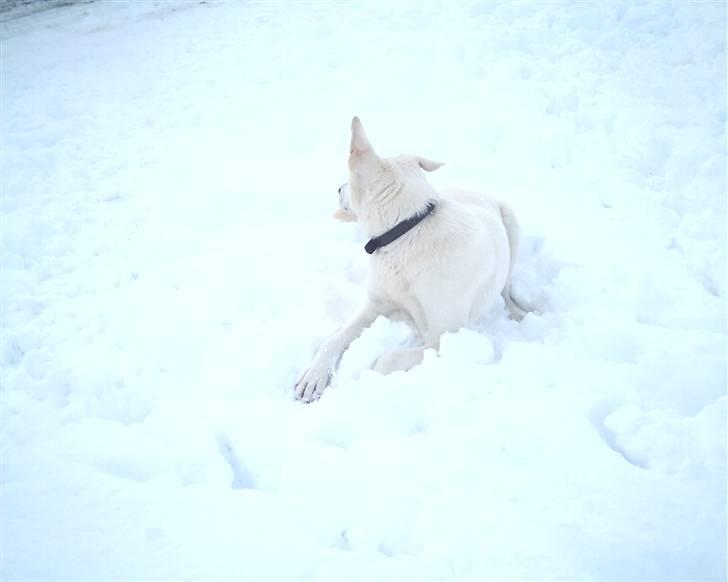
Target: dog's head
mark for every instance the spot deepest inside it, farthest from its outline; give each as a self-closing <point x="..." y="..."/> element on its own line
<point x="373" y="179"/>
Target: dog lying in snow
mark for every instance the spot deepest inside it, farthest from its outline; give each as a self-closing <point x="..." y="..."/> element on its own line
<point x="439" y="260"/>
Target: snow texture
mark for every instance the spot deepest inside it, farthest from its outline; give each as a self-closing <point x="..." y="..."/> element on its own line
<point x="169" y="266"/>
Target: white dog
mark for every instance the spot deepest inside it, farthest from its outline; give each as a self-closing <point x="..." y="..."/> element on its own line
<point x="438" y="260"/>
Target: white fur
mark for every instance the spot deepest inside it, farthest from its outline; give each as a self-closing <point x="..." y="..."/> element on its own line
<point x="442" y="275"/>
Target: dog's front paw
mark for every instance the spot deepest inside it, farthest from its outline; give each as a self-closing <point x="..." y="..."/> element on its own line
<point x="312" y="383"/>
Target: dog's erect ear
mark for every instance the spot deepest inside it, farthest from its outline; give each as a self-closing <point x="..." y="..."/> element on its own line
<point x="428" y="165"/>
<point x="359" y="141"/>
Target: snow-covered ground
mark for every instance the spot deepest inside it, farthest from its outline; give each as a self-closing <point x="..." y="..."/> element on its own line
<point x="169" y="267"/>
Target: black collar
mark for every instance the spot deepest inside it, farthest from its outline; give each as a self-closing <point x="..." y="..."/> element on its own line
<point x="399" y="229"/>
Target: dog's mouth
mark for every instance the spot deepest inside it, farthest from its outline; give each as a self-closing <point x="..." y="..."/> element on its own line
<point x="345" y="215"/>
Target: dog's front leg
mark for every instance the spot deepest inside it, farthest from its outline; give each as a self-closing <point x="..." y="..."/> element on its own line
<point x="317" y="377"/>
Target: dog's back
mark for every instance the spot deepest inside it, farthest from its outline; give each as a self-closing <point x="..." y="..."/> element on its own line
<point x="513" y="231"/>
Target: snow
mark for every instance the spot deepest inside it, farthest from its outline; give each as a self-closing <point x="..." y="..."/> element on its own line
<point x="169" y="266"/>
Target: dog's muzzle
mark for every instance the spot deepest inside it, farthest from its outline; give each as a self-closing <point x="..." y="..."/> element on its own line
<point x="344" y="197"/>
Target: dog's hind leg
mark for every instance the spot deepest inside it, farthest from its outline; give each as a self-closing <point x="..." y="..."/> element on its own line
<point x="513" y="230"/>
<point x="396" y="360"/>
<point x="438" y="318"/>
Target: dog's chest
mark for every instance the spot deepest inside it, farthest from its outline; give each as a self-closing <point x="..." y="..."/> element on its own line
<point x="392" y="278"/>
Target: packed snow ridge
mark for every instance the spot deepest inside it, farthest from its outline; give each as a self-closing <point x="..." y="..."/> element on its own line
<point x="169" y="266"/>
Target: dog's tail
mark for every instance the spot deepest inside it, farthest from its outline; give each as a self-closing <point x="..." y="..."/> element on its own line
<point x="513" y="230"/>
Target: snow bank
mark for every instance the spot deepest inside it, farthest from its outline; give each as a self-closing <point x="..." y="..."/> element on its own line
<point x="169" y="267"/>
